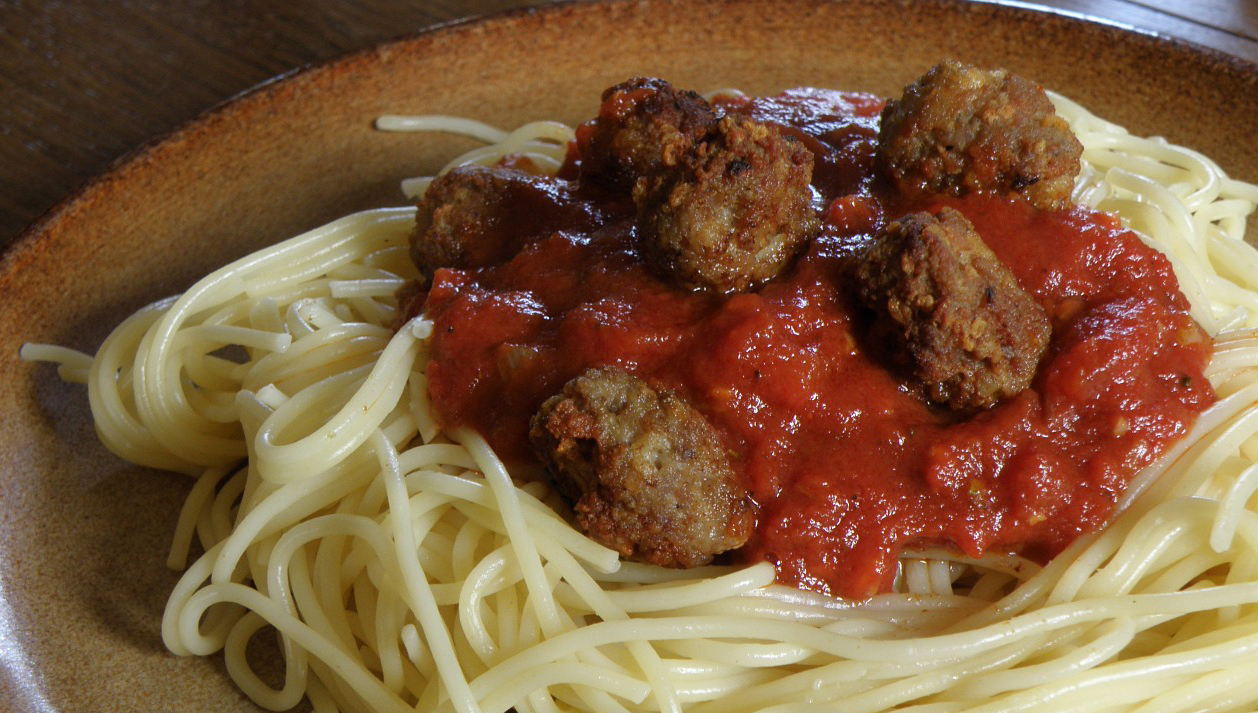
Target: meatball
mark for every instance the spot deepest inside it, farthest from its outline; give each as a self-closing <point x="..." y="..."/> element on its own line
<point x="642" y="126"/>
<point x="972" y="335"/>
<point x="959" y="129"/>
<point x="475" y="216"/>
<point x="645" y="472"/>
<point x="733" y="213"/>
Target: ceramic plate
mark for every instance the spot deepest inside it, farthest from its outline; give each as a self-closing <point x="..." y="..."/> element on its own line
<point x="84" y="536"/>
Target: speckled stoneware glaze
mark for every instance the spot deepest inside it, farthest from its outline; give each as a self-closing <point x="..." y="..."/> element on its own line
<point x="84" y="536"/>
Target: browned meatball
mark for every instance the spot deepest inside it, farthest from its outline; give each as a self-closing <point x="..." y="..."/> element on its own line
<point x="645" y="472"/>
<point x="733" y="213"/>
<point x="959" y="130"/>
<point x="972" y="334"/>
<point x="642" y="126"/>
<point x="475" y="216"/>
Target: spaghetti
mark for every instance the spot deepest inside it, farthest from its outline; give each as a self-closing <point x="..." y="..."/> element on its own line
<point x="404" y="568"/>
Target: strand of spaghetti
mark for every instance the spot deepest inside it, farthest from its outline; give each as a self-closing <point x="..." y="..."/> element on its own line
<point x="942" y="648"/>
<point x="739" y="656"/>
<point x="517" y="530"/>
<point x="413" y="461"/>
<point x="1234" y="338"/>
<point x="417" y="589"/>
<point x="1192" y="695"/>
<point x="538" y="516"/>
<point x="1169" y="208"/>
<point x="919" y="685"/>
<point x="1073" y="578"/>
<point x="915" y="576"/>
<point x="327" y="616"/>
<point x="789" y="603"/>
<point x="378" y="287"/>
<point x="1225" y="442"/>
<point x="1228" y="361"/>
<point x="320" y="698"/>
<point x="358" y="678"/>
<point x="862" y="685"/>
<point x="1013" y="565"/>
<point x="848" y="676"/>
<point x="372" y="233"/>
<point x="325" y="611"/>
<point x="153" y="372"/>
<point x="1103" y="146"/>
<point x="1113" y="636"/>
<point x="391" y="610"/>
<point x="1231" y="507"/>
<point x="715" y="684"/>
<point x="1144" y="544"/>
<point x="238" y="668"/>
<point x="287" y="505"/>
<point x="1149" y="668"/>
<point x="595" y="698"/>
<point x="570" y="673"/>
<point x="606" y="610"/>
<point x="376" y="397"/>
<point x="1190" y="571"/>
<point x="492" y="574"/>
<point x="418" y="396"/>
<point x="438" y="122"/>
<point x="214" y="524"/>
<point x="122" y="431"/>
<point x="283" y="554"/>
<point x="1242" y="189"/>
<point x="226" y="334"/>
<point x="189" y="583"/>
<point x="1238" y="259"/>
<point x="72" y="365"/>
<point x="554" y="132"/>
<point x="941" y="575"/>
<point x="193" y="504"/>
<point x="690" y="593"/>
<point x="308" y="356"/>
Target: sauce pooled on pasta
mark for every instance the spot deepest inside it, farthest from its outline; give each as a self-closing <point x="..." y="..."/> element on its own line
<point x="846" y="458"/>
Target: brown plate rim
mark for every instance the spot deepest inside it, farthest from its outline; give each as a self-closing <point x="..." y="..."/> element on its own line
<point x="21" y="248"/>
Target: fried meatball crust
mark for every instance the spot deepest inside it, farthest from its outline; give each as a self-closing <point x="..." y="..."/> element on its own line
<point x="733" y="213"/>
<point x="645" y="473"/>
<point x="971" y="334"/>
<point x="643" y="126"/>
<point x="475" y="216"/>
<point x="959" y="130"/>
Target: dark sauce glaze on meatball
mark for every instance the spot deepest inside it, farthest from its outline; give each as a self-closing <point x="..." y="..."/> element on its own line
<point x="477" y="216"/>
<point x="644" y="125"/>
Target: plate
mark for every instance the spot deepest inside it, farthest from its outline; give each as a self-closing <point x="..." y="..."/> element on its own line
<point x="83" y="536"/>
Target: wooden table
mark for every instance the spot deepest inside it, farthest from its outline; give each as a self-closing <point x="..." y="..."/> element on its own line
<point x="81" y="83"/>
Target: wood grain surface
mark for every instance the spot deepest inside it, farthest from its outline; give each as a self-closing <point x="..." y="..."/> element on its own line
<point x="82" y="83"/>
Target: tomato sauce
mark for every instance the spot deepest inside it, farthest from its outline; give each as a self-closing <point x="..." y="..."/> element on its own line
<point x="847" y="463"/>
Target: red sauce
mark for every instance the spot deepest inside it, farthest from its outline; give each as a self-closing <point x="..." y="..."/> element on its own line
<point x="847" y="463"/>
